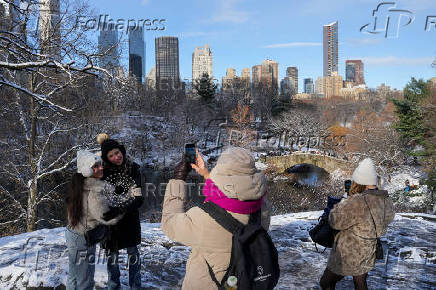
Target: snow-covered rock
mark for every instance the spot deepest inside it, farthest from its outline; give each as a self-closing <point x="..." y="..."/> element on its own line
<point x="399" y="177"/>
<point x="40" y="258"/>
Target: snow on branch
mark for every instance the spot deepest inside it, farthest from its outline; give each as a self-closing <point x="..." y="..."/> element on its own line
<point x="39" y="97"/>
<point x="52" y="132"/>
<point x="12" y="198"/>
<point x="45" y="171"/>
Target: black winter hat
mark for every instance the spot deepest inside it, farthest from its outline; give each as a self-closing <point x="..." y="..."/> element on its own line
<point x="108" y="144"/>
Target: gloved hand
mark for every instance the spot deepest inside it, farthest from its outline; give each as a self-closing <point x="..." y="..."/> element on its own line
<point x="112" y="213"/>
<point x="182" y="169"/>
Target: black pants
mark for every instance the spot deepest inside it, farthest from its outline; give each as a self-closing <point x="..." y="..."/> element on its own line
<point x="329" y="279"/>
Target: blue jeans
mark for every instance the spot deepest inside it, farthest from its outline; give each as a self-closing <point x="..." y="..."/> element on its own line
<point x="113" y="269"/>
<point x="81" y="260"/>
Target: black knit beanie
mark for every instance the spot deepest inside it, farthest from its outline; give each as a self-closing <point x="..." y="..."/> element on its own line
<point x="107" y="145"/>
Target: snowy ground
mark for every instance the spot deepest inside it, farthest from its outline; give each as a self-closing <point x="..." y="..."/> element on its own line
<point x="39" y="258"/>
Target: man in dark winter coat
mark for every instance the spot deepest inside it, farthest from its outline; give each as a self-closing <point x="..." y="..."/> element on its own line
<point x="125" y="175"/>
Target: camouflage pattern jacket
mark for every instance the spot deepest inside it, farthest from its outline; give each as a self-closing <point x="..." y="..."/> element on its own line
<point x="353" y="251"/>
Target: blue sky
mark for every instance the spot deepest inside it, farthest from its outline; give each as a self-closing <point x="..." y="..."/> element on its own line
<point x="243" y="33"/>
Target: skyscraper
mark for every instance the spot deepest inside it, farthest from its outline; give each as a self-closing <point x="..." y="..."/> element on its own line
<point x="202" y="61"/>
<point x="228" y="82"/>
<point x="354" y="72"/>
<point x="49" y="28"/>
<point x="330" y="48"/>
<point x="231" y="83"/>
<point x="292" y="73"/>
<point x="287" y="87"/>
<point x="136" y="53"/>
<point x="266" y="74"/>
<point x="319" y="86"/>
<point x="108" y="47"/>
<point x="167" y="62"/>
<point x="245" y="77"/>
<point x="245" y="74"/>
<point x="308" y="86"/>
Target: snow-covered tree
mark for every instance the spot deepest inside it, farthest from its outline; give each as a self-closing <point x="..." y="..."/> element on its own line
<point x="47" y="86"/>
<point x="301" y="122"/>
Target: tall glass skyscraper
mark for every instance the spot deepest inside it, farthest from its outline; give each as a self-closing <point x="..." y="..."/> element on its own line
<point x="167" y="62"/>
<point x="136" y="53"/>
<point x="330" y="48"/>
<point x="107" y="45"/>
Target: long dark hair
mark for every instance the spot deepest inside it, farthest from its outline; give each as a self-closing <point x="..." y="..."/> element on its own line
<point x="75" y="199"/>
<point x="356" y="188"/>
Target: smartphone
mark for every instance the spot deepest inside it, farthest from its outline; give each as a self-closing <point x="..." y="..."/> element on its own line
<point x="347" y="185"/>
<point x="190" y="153"/>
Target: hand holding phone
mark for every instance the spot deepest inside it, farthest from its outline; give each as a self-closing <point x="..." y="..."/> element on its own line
<point x="199" y="166"/>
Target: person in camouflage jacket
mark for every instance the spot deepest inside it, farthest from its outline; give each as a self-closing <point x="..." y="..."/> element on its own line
<point x="361" y="219"/>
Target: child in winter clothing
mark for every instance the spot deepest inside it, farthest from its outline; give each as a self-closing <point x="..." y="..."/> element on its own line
<point x="361" y="218"/>
<point x="236" y="186"/>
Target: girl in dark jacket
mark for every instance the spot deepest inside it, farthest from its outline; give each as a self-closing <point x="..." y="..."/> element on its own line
<point x="125" y="175"/>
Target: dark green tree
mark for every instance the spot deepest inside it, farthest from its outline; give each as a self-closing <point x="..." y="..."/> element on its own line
<point x="205" y="87"/>
<point x="280" y="105"/>
<point x="410" y="114"/>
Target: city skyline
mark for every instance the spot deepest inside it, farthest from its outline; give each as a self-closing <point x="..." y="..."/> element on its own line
<point x="242" y="34"/>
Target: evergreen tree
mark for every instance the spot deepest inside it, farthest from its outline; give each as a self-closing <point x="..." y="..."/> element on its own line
<point x="205" y="87"/>
<point x="409" y="112"/>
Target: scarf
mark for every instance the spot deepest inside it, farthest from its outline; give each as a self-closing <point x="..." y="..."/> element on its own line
<point x="215" y="195"/>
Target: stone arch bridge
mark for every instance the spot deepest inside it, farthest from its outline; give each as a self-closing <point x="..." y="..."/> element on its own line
<point x="328" y="163"/>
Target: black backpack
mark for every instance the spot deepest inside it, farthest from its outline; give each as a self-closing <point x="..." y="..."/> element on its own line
<point x="323" y="234"/>
<point x="254" y="258"/>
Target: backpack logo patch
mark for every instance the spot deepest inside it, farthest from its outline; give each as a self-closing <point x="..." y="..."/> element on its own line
<point x="261" y="277"/>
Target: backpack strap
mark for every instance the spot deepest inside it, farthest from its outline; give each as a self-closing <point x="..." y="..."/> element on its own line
<point x="212" y="275"/>
<point x="255" y="218"/>
<point x="228" y="222"/>
<point x="222" y="217"/>
<point x="373" y="221"/>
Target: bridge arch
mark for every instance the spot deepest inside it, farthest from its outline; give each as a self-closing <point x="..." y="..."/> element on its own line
<point x="328" y="163"/>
